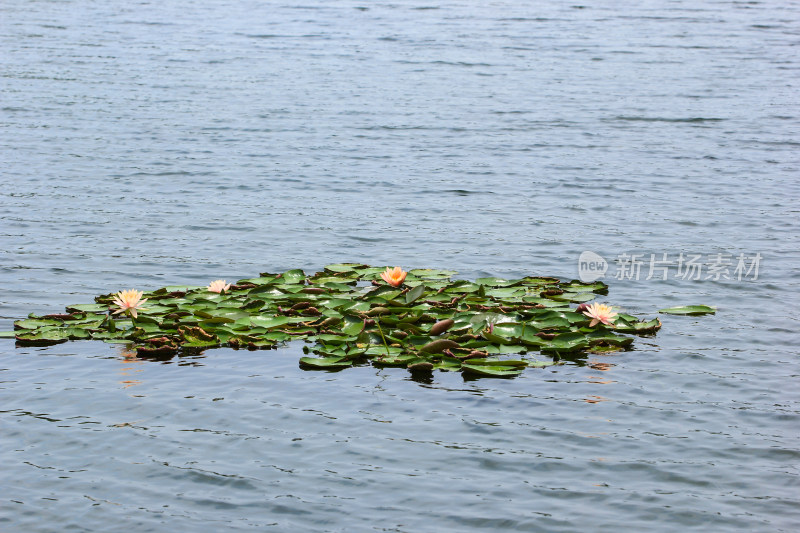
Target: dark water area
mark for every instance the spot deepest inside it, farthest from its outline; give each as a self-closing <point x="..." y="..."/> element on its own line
<point x="153" y="144"/>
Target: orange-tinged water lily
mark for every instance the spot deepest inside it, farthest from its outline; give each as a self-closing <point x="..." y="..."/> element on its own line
<point x="394" y="276"/>
<point x="219" y="286"/>
<point x="600" y="313"/>
<point x="129" y="301"/>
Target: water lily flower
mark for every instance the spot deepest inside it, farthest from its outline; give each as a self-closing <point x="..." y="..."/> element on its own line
<point x="394" y="276"/>
<point x="129" y="301"/>
<point x="219" y="286"/>
<point x="600" y="313"/>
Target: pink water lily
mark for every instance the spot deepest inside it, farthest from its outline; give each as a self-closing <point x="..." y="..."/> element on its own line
<point x="600" y="313"/>
<point x="129" y="301"/>
<point x="219" y="286"/>
<point x="394" y="276"/>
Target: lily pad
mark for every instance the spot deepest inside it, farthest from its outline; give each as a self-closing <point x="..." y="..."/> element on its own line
<point x="32" y="323"/>
<point x="43" y="338"/>
<point x="324" y="363"/>
<point x="429" y="273"/>
<point x="490" y="371"/>
<point x="689" y="310"/>
<point x="269" y="321"/>
<point x="415" y="293"/>
<point x="346" y="313"/>
<point x="89" y="308"/>
<point x="345" y="267"/>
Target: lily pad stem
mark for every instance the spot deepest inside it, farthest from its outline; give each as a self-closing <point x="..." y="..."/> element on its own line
<point x="378" y="323"/>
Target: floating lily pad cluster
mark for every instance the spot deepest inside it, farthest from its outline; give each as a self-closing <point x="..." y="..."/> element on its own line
<point x="348" y="316"/>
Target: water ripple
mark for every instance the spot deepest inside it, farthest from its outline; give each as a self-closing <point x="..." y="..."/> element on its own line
<point x="175" y="143"/>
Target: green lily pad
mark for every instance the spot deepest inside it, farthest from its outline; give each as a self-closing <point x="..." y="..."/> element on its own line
<point x="325" y="363"/>
<point x="383" y="351"/>
<point x="448" y="364"/>
<point x="566" y="343"/>
<point x="510" y="348"/>
<point x="429" y="273"/>
<point x="514" y="363"/>
<point x="292" y="276"/>
<point x="689" y="310"/>
<point x="276" y="336"/>
<point x="463" y="287"/>
<point x="78" y="333"/>
<point x="575" y="297"/>
<point x="490" y="371"/>
<point x="345" y="267"/>
<point x="556" y="322"/>
<point x="497" y="282"/>
<point x="504" y="293"/>
<point x="541" y="364"/>
<point x="43" y="338"/>
<point x="32" y="323"/>
<point x="269" y="322"/>
<point x="509" y="330"/>
<point x="609" y="338"/>
<point x="334" y="339"/>
<point x="638" y="327"/>
<point x="108" y="335"/>
<point x="580" y="286"/>
<point x="415" y="293"/>
<point x="89" y="308"/>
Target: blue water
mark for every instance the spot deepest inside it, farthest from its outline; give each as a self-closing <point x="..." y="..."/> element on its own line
<point x="153" y="144"/>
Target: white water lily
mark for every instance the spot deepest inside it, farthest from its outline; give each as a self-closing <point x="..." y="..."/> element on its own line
<point x="129" y="301"/>
<point x="219" y="286"/>
<point x="600" y="313"/>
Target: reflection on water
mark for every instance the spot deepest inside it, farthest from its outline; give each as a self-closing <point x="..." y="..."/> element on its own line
<point x="597" y="380"/>
<point x="127" y="351"/>
<point x="603" y="367"/>
<point x="132" y="366"/>
<point x="595" y="399"/>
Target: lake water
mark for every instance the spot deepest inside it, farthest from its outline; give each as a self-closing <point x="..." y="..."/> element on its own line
<point x="167" y="143"/>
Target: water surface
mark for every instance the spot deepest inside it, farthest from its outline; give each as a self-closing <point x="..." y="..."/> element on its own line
<point x="164" y="143"/>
